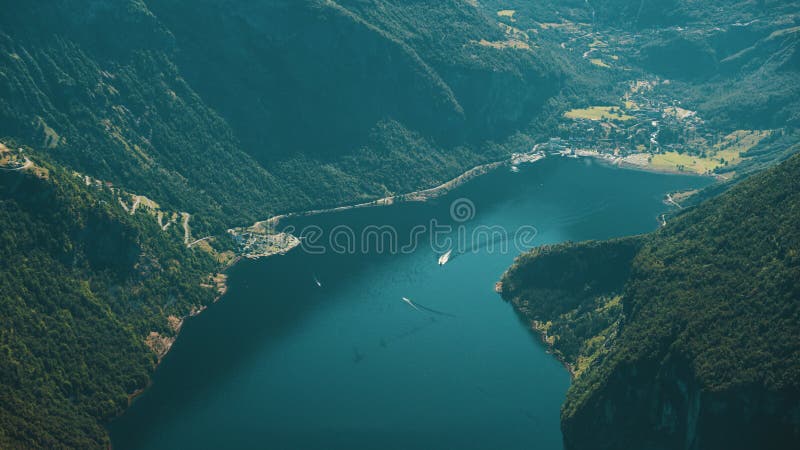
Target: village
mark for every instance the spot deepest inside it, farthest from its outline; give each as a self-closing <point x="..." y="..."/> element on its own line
<point x="12" y="159"/>
<point x="260" y="240"/>
<point x="647" y="126"/>
<point x="645" y="122"/>
<point x="649" y="129"/>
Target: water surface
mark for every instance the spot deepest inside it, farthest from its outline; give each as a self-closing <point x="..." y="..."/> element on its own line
<point x="281" y="362"/>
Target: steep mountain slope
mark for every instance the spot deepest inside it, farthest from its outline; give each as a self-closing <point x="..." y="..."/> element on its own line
<point x="733" y="61"/>
<point x="695" y="345"/>
<point x="358" y="90"/>
<point x="229" y="112"/>
<point x="93" y="84"/>
<point x="237" y="110"/>
<point x="736" y="61"/>
<point x="82" y="283"/>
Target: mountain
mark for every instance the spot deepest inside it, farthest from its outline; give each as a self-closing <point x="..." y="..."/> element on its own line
<point x="683" y="339"/>
<point x="91" y="295"/>
<point x="239" y="110"/>
<point x="131" y="128"/>
<point x="735" y="61"/>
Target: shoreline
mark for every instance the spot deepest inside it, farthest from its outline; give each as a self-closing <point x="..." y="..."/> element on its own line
<point x="264" y="230"/>
<point x="614" y="162"/>
<point x="421" y="196"/>
<point x="263" y="226"/>
<point x="535" y="328"/>
<point x="621" y="163"/>
<point x="424" y="195"/>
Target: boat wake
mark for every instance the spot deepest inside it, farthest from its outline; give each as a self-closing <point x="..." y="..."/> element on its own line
<point x="422" y="308"/>
<point x="411" y="304"/>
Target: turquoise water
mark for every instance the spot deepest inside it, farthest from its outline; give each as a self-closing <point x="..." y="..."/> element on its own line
<point x="283" y="363"/>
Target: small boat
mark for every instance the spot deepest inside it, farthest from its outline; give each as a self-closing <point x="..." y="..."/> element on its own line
<point x="445" y="257"/>
<point x="316" y="280"/>
<point x="514" y="169"/>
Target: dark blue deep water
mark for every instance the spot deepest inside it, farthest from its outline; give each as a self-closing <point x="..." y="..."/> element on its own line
<point x="283" y="363"/>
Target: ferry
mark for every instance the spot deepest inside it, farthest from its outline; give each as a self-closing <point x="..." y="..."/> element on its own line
<point x="444" y="258"/>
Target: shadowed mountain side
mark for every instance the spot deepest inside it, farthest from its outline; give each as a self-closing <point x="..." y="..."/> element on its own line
<point x="315" y="77"/>
<point x="234" y="111"/>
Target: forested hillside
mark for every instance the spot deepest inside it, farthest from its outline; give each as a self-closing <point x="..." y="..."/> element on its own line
<point x="224" y="112"/>
<point x="82" y="283"/>
<point x="234" y="111"/>
<point x="686" y="338"/>
<point x="736" y="61"/>
<point x="238" y="110"/>
<point x="230" y="112"/>
<point x="93" y="84"/>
